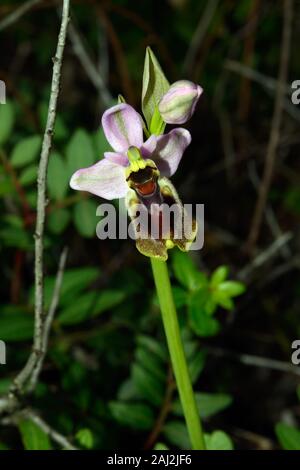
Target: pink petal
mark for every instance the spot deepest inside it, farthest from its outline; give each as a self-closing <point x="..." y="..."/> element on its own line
<point x="118" y="158"/>
<point x="105" y="179"/>
<point x="169" y="150"/>
<point x="148" y="147"/>
<point x="122" y="127"/>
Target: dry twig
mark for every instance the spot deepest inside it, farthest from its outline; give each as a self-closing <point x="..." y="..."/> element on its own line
<point x="17" y="14"/>
<point x="199" y="34"/>
<point x="275" y="127"/>
<point x="89" y="67"/>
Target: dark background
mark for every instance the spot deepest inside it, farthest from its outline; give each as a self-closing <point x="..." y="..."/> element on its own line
<point x="94" y="347"/>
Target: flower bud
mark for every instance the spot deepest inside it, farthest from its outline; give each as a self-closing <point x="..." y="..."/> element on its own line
<point x="178" y="104"/>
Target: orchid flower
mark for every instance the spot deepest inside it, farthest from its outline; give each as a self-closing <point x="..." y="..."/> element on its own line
<point x="138" y="170"/>
<point x="123" y="129"/>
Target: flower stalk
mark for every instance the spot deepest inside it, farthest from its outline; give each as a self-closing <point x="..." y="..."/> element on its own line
<point x="178" y="359"/>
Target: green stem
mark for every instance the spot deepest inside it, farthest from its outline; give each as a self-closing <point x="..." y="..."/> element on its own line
<point x="179" y="364"/>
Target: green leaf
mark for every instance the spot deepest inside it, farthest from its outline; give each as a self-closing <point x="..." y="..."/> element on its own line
<point x="58" y="220"/>
<point x="4" y="446"/>
<point x="218" y="440"/>
<point x="231" y="288"/>
<point x="224" y="301"/>
<point x="149" y="387"/>
<point x="218" y="276"/>
<point x="155" y="85"/>
<point x="33" y="437"/>
<point x="57" y="178"/>
<point x="151" y="363"/>
<point x="79" y="310"/>
<point x="16" y="327"/>
<point x="291" y="199"/>
<point x="90" y="305"/>
<point x="85" y="218"/>
<point x="4" y="385"/>
<point x="208" y="404"/>
<point x="32" y="198"/>
<point x="128" y="391"/>
<point x="28" y="175"/>
<point x="153" y="346"/>
<point x="108" y="299"/>
<point x="6" y="184"/>
<point x="180" y="296"/>
<point x="205" y="326"/>
<point x="85" y="438"/>
<point x="160" y="446"/>
<point x="7" y="119"/>
<point x="186" y="272"/>
<point x="26" y="151"/>
<point x="288" y="436"/>
<point x="74" y="282"/>
<point x="176" y="433"/>
<point x="17" y="237"/>
<point x="134" y="415"/>
<point x="196" y="365"/>
<point x="202" y="323"/>
<point x="80" y="152"/>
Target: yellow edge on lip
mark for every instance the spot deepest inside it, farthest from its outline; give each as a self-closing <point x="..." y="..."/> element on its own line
<point x="137" y="165"/>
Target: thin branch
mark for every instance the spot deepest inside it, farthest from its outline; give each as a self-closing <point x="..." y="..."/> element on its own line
<point x="268" y="83"/>
<point x="48" y="321"/>
<point x="103" y="56"/>
<point x="56" y="436"/>
<point x="37" y="351"/>
<point x="228" y="145"/>
<point x="163" y="414"/>
<point x="255" y="361"/>
<point x="269" y="212"/>
<point x="248" y="55"/>
<point x="263" y="257"/>
<point x="120" y="58"/>
<point x="33" y="366"/>
<point x="35" y="418"/>
<point x="283" y="269"/>
<point x="199" y="34"/>
<point x="248" y="72"/>
<point x="275" y="127"/>
<point x="262" y="442"/>
<point x="17" y="14"/>
<point x="89" y="67"/>
<point x="42" y="175"/>
<point x="8" y="404"/>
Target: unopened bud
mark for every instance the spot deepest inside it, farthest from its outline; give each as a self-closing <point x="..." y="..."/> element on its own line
<point x="178" y="104"/>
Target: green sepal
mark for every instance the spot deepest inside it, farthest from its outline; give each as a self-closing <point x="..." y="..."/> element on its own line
<point x="155" y="85"/>
<point x="157" y="125"/>
<point x="121" y="99"/>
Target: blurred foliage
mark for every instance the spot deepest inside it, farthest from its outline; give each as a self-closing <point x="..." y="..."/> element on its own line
<point x="106" y="380"/>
